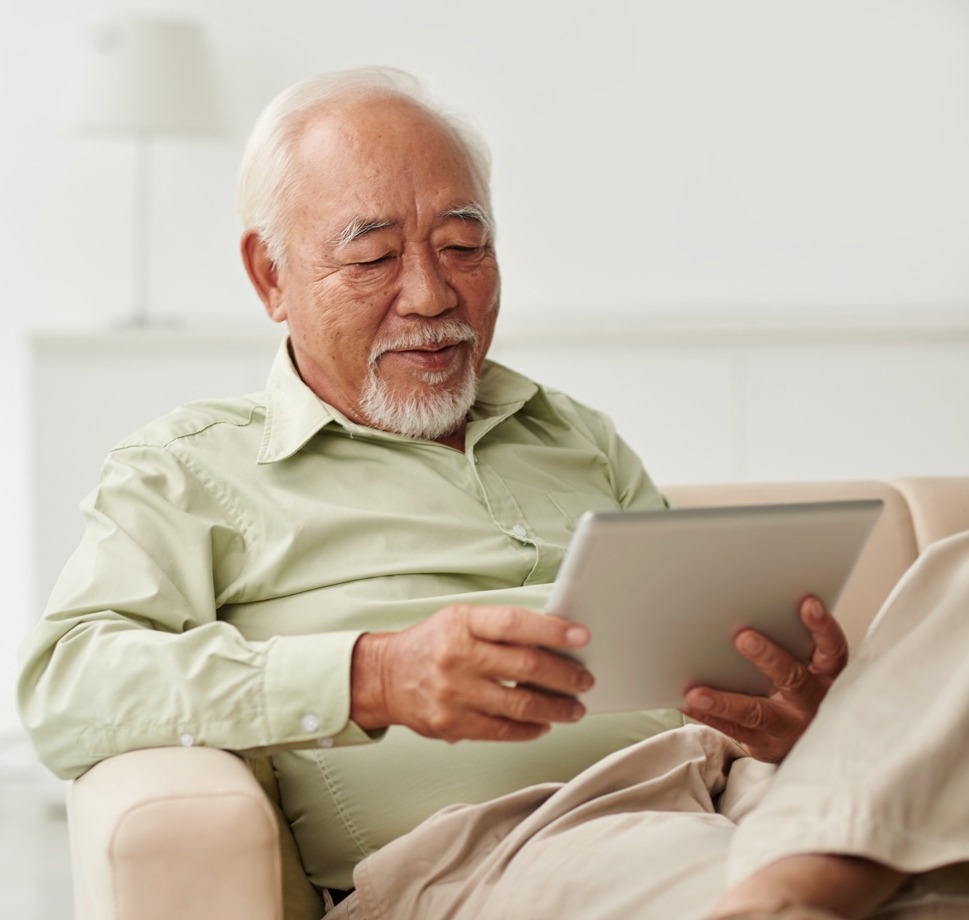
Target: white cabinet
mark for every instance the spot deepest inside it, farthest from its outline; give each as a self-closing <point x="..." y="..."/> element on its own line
<point x="739" y="403"/>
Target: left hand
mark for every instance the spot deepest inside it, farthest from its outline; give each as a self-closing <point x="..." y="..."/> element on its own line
<point x="768" y="726"/>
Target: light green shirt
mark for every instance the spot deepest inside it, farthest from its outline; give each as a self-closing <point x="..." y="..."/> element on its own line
<point x="235" y="549"/>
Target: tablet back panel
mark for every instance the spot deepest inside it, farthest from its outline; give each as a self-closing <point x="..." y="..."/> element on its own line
<point x="664" y="592"/>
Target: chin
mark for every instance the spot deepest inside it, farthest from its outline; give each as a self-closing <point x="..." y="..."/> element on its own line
<point x="427" y="412"/>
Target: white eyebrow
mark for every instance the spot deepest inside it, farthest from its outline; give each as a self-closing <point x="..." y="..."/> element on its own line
<point x="358" y="227"/>
<point x="471" y="212"/>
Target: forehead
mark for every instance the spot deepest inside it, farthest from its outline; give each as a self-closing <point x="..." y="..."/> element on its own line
<point x="379" y="158"/>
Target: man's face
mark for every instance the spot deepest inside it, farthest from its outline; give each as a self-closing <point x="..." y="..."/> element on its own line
<point x="391" y="285"/>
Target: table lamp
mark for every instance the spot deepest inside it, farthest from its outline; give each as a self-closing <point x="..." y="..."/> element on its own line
<point x="147" y="77"/>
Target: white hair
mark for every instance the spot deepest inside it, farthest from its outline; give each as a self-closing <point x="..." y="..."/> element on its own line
<point x="266" y="173"/>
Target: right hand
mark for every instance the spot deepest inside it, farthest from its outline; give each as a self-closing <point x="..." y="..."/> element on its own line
<point x="470" y="672"/>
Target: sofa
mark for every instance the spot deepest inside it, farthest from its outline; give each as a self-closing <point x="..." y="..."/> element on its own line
<point x="197" y="834"/>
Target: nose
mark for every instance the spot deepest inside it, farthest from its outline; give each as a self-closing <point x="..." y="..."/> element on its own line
<point x="425" y="288"/>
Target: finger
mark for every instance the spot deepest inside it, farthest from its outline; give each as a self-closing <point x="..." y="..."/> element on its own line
<point x="486" y="709"/>
<point x="530" y="705"/>
<point x="769" y="748"/>
<point x="753" y="713"/>
<point x="479" y="726"/>
<point x="531" y="665"/>
<point x="525" y="627"/>
<point x="830" y="643"/>
<point x="788" y="676"/>
<point x="766" y="731"/>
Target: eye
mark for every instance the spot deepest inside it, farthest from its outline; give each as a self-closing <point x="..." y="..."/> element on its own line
<point x="464" y="250"/>
<point x="377" y="262"/>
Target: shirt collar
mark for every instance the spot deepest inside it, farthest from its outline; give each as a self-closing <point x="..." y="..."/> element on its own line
<point x="294" y="413"/>
<point x="502" y="391"/>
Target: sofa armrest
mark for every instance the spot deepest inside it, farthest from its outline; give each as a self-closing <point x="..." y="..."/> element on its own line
<point x="173" y="832"/>
<point x="939" y="505"/>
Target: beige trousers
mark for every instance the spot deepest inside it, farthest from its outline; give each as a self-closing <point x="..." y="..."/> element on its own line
<point x="659" y="830"/>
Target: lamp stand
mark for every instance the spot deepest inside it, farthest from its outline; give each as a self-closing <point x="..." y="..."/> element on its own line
<point x="141" y="233"/>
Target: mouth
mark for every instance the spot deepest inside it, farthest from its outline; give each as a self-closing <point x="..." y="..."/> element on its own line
<point x="428" y="357"/>
<point x="438" y="356"/>
<point x="433" y="352"/>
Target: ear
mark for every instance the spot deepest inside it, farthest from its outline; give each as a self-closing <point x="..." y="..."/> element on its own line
<point x="263" y="274"/>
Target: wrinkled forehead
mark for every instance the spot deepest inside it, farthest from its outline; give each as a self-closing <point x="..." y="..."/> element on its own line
<point x="380" y="157"/>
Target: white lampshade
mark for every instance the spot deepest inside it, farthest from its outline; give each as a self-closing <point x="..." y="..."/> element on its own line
<point x="148" y="75"/>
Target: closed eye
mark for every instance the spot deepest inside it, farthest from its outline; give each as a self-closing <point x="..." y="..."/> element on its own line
<point x="380" y="260"/>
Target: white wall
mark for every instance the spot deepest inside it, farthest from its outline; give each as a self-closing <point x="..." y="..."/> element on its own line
<point x="656" y="160"/>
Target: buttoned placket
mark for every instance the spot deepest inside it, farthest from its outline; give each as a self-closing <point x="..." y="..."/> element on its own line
<point x="502" y="505"/>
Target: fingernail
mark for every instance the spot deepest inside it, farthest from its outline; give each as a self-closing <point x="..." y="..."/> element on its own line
<point x="702" y="701"/>
<point x="578" y="711"/>
<point x="751" y="643"/>
<point x="586" y="680"/>
<point x="576" y="635"/>
<point x="814" y="609"/>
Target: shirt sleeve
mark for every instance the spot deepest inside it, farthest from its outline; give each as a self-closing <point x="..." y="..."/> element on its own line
<point x="131" y="652"/>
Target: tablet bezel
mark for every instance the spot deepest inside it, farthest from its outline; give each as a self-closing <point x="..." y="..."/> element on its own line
<point x="714" y="571"/>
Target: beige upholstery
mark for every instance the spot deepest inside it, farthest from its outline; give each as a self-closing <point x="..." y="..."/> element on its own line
<point x="164" y="833"/>
<point x="190" y="833"/>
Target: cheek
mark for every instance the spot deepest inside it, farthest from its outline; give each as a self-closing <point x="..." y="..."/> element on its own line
<point x="336" y="337"/>
<point x="483" y="311"/>
<point x="480" y="289"/>
<point x="344" y="318"/>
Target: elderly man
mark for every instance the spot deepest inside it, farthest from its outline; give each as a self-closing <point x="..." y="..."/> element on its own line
<point x="346" y="569"/>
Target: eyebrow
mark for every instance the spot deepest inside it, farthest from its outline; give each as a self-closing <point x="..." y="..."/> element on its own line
<point x="470" y="212"/>
<point x="361" y="226"/>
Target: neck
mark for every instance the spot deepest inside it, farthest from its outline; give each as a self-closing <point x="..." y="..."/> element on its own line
<point x="455" y="439"/>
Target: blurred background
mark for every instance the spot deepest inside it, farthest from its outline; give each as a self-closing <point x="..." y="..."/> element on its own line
<point x="741" y="226"/>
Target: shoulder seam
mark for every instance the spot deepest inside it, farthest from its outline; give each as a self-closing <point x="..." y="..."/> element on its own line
<point x="162" y="444"/>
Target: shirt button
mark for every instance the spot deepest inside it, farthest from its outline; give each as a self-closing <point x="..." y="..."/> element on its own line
<point x="519" y="531"/>
<point x="310" y="722"/>
<point x="186" y="739"/>
<point x="324" y="742"/>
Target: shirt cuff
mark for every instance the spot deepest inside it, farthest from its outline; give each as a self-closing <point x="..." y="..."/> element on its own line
<point x="307" y="687"/>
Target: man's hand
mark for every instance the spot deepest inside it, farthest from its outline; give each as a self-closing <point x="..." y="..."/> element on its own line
<point x="471" y="672"/>
<point x="768" y="726"/>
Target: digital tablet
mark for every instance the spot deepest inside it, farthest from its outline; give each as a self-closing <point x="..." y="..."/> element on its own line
<point x="663" y="593"/>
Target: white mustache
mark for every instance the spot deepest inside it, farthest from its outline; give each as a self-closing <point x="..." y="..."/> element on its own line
<point x="444" y="332"/>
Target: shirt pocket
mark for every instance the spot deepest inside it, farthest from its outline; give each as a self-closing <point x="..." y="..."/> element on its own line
<point x="572" y="505"/>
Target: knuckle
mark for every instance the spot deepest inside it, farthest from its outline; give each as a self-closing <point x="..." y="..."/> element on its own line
<point x="520" y="704"/>
<point x="506" y="620"/>
<point x="530" y="660"/>
<point x="441" y="723"/>
<point x="457" y="616"/>
<point x="446" y="657"/>
<point x="754" y="716"/>
<point x="795" y="681"/>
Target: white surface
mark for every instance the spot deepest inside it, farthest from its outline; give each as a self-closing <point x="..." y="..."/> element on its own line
<point x="804" y="157"/>
<point x="747" y="403"/>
